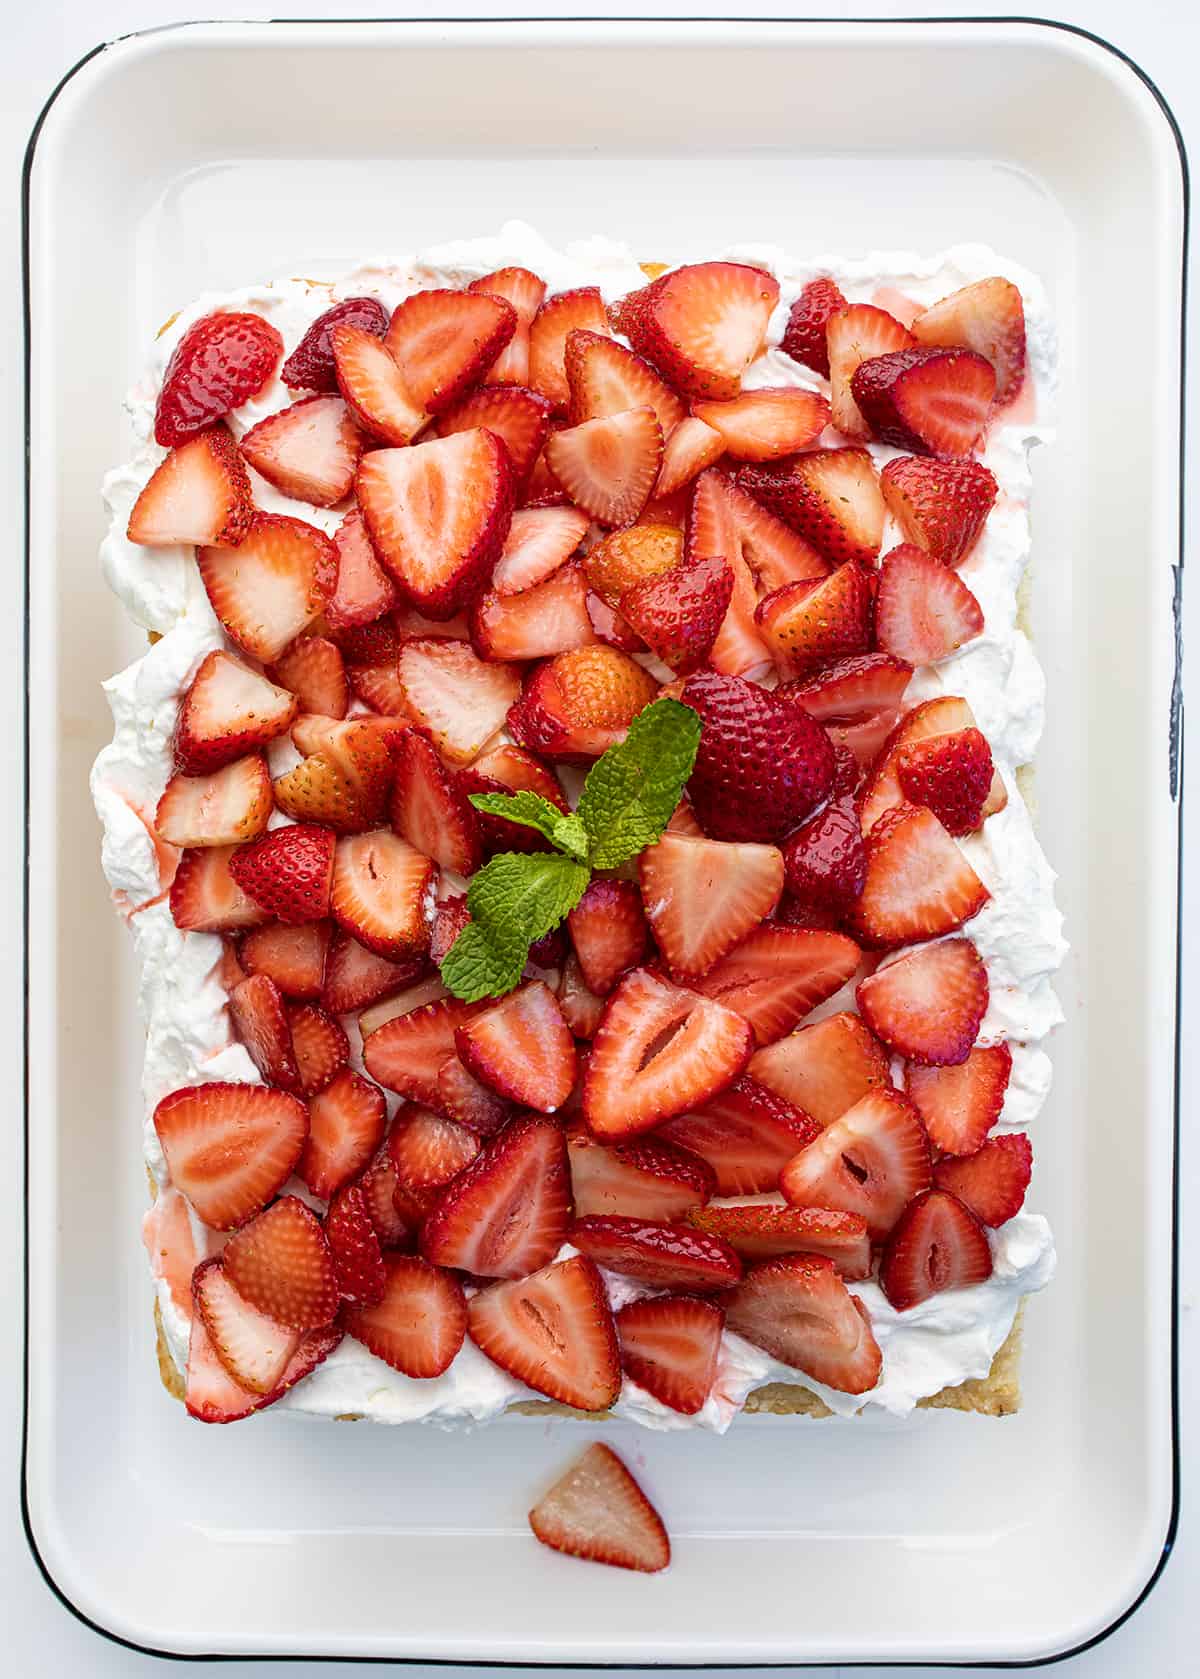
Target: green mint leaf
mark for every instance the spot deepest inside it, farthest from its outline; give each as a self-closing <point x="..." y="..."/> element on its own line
<point x="514" y="900"/>
<point x="571" y="836"/>
<point x="631" y="792"/>
<point x="473" y="969"/>
<point x="529" y="809"/>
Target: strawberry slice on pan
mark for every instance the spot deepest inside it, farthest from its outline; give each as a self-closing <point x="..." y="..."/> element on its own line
<point x="205" y="898"/>
<point x="645" y="1179"/>
<point x="703" y="324"/>
<point x="461" y="700"/>
<point x="923" y="609"/>
<point x="776" y="975"/>
<point x="765" y="1231"/>
<point x="308" y="451"/>
<point x="805" y="337"/>
<point x="354" y="1246"/>
<point x="936" y="1245"/>
<point x="871" y="1161"/>
<point x="830" y="497"/>
<point x="230" y="1147"/>
<point x="987" y="317"/>
<point x="578" y="704"/>
<point x="449" y="920"/>
<point x="405" y="1052"/>
<point x="419" y="1323"/>
<point x="522" y="1048"/>
<point x="800" y="1311"/>
<point x="288" y="872"/>
<point x="200" y="494"/>
<point x="224" y="807"/>
<point x="346" y="1123"/>
<point x="311" y="366"/>
<point x="992" y="1181"/>
<point x="510" y="769"/>
<point x="689" y="450"/>
<point x="463" y="1098"/>
<point x="663" y="1255"/>
<point x="598" y="1512"/>
<point x="854" y="335"/>
<point x="928" y="1004"/>
<point x="380" y="892"/>
<point x="539" y="541"/>
<point x="808" y="624"/>
<point x="670" y="1345"/>
<point x="604" y="378"/>
<point x="444" y="341"/>
<point x="961" y="1104"/>
<point x="268" y="589"/>
<point x="552" y="617"/>
<point x="679" y="614"/>
<point x="221" y="361"/>
<point x="320" y="1046"/>
<point x="918" y="881"/>
<point x="365" y="591"/>
<point x="508" y="1212"/>
<point x="763" y="425"/>
<point x="280" y="1264"/>
<point x="608" y="931"/>
<point x="826" y="1068"/>
<point x="931" y="402"/>
<point x="704" y="896"/>
<point x="608" y="466"/>
<point x="747" y="1135"/>
<point x="314" y="671"/>
<point x="525" y="291"/>
<point x="553" y="1331"/>
<point x="429" y="810"/>
<point x="566" y="312"/>
<point x="520" y="418"/>
<point x="261" y="1023"/>
<point x="940" y="506"/>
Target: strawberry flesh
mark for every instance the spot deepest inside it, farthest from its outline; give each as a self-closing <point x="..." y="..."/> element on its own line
<point x="670" y="1346"/>
<point x="936" y="1245"/>
<point x="992" y="1181"/>
<point x="928" y="1004"/>
<point x="800" y="1311"/>
<point x="553" y="1331"/>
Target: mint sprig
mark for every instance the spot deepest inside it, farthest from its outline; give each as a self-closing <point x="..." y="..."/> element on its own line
<point x="519" y="897"/>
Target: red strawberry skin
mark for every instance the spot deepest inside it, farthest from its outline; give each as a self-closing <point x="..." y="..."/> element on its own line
<point x="992" y="1182"/>
<point x="929" y="401"/>
<point x="311" y="367"/>
<point x="804" y="336"/>
<point x="664" y="1255"/>
<point x="670" y="1346"/>
<point x="941" y="506"/>
<point x="825" y="861"/>
<point x="354" y="1245"/>
<point x="288" y="871"/>
<point x="678" y="614"/>
<point x="220" y="362"/>
<point x="937" y="1245"/>
<point x="951" y="775"/>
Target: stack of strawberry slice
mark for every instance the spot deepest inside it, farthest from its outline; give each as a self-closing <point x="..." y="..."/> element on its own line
<point x="547" y="507"/>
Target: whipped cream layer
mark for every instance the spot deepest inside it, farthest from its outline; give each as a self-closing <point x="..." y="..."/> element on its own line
<point x="189" y="1038"/>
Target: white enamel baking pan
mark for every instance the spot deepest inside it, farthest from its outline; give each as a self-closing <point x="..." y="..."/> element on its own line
<point x="207" y="156"/>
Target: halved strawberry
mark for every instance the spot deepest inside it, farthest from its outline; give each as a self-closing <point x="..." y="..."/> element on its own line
<point x="313" y="670"/>
<point x="429" y="810"/>
<point x="444" y="341"/>
<point x="703" y="324"/>
<point x="852" y="689"/>
<point x="525" y="292"/>
<point x="936" y="1245"/>
<point x="776" y="975"/>
<point x="832" y="497"/>
<point x="663" y="1255"/>
<point x="345" y="784"/>
<point x="747" y="1135"/>
<point x="508" y="1212"/>
<point x="345" y="1127"/>
<point x="205" y="898"/>
<point x="853" y="335"/>
<point x="438" y="515"/>
<point x="659" y="1051"/>
<point x="800" y="1311"/>
<point x="553" y="1331"/>
<point x="223" y="808"/>
<point x="691" y="447"/>
<point x="577" y="705"/>
<point x="764" y="1230"/>
<point x="992" y="1181"/>
<point x="961" y="1104"/>
<point x="200" y="494"/>
<point x="645" y="1179"/>
<point x="521" y="1047"/>
<point x="931" y="402"/>
<point x="762" y="425"/>
<point x="923" y="609"/>
<point x="308" y="451"/>
<point x="380" y="893"/>
<point x="419" y="1324"/>
<point x="221" y="361"/>
<point x="321" y="1047"/>
<point x="805" y="338"/>
<point x="355" y="1248"/>
<point x="268" y="589"/>
<point x="459" y="698"/>
<point x="288" y="872"/>
<point x="871" y="1161"/>
<point x="356" y="977"/>
<point x="212" y="1395"/>
<point x="608" y="931"/>
<point x="608" y="466"/>
<point x="951" y="775"/>
<point x="623" y="559"/>
<point x="405" y="1052"/>
<point x="679" y="614"/>
<point x="520" y="418"/>
<point x="670" y="1346"/>
<point x="311" y="366"/>
<point x="824" y="1068"/>
<point x="261" y="1023"/>
<point x="703" y="896"/>
<point x="254" y="1349"/>
<point x="280" y="1263"/>
<point x="941" y="506"/>
<point x="605" y="378"/>
<point x="427" y="1149"/>
<point x="928" y="1004"/>
<point x="566" y="312"/>
<point x="598" y="1512"/>
<point x="552" y="617"/>
<point x="808" y="624"/>
<point x="539" y="541"/>
<point x="943" y="716"/>
<point x="918" y="882"/>
<point x="230" y="1147"/>
<point x="988" y="317"/>
<point x="364" y="590"/>
<point x="582" y="1008"/>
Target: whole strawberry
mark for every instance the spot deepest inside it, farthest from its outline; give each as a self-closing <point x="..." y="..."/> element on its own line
<point x="220" y="362"/>
<point x="762" y="765"/>
<point x="825" y="862"/>
<point x="288" y="872"/>
<point x="951" y="775"/>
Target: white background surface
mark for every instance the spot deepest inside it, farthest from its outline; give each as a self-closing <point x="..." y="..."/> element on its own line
<point x="41" y="1638"/>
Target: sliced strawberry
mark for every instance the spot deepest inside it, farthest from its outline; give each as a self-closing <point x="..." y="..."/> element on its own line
<point x="261" y="1023"/>
<point x="608" y="466"/>
<point x="623" y="559"/>
<point x="703" y="324"/>
<point x="223" y="808"/>
<point x="936" y="1245"/>
<point x="852" y="689"/>
<point x="670" y="1346"/>
<point x="928" y="1004"/>
<point x="747" y="1135"/>
<point x="313" y="670"/>
<point x="429" y="810"/>
<point x="961" y="1104"/>
<point x="345" y="785"/>
<point x="679" y="614"/>
<point x="438" y="515"/>
<point x="871" y="1161"/>
<point x="345" y="1127"/>
<point x="461" y="700"/>
<point x="552" y="617"/>
<point x="539" y="541"/>
<point x="419" y="1324"/>
<point x="606" y="378"/>
<point x="229" y="970"/>
<point x="582" y="1008"/>
<point x="380" y="893"/>
<point x="854" y="335"/>
<point x="522" y="1048"/>
<point x="598" y="1512"/>
<point x="832" y="497"/>
<point x="825" y="861"/>
<point x="213" y="1396"/>
<point x="354" y="1246"/>
<point x="776" y="975"/>
<point x="923" y="610"/>
<point x="580" y="703"/>
<point x="683" y="821"/>
<point x="411" y="625"/>
<point x="463" y="1098"/>
<point x="659" y="1051"/>
<point x="941" y="506"/>
<point x="800" y="1311"/>
<point x="200" y="494"/>
<point x="553" y="1331"/>
<point x="311" y="366"/>
<point x="268" y="589"/>
<point x="364" y="589"/>
<point x="509" y="769"/>
<point x="581" y="310"/>
<point x="805" y="338"/>
<point x="807" y="624"/>
<point x="405" y="1052"/>
<point x="951" y="775"/>
<point x="288" y="872"/>
<point x="944" y="716"/>
<point x="525" y="292"/>
<point x="646" y="1179"/>
<point x="444" y="341"/>
<point x="608" y="931"/>
<point x="221" y="361"/>
<point x="663" y="1255"/>
<point x="931" y="402"/>
<point x="308" y="451"/>
<point x="205" y="898"/>
<point x="824" y="1068"/>
<point x="230" y="1147"/>
<point x="508" y="1212"/>
<point x="281" y="1265"/>
<point x="356" y="977"/>
<point x="254" y="1349"/>
<point x="428" y="1150"/>
<point x="992" y="1181"/>
<point x="918" y="882"/>
<point x="765" y="1231"/>
<point x="170" y="1245"/>
<point x="321" y="1047"/>
<point x="380" y="1188"/>
<point x="691" y="447"/>
<point x="520" y="418"/>
<point x="987" y="317"/>
<point x="378" y="686"/>
<point x="703" y="896"/>
<point x="762" y="425"/>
